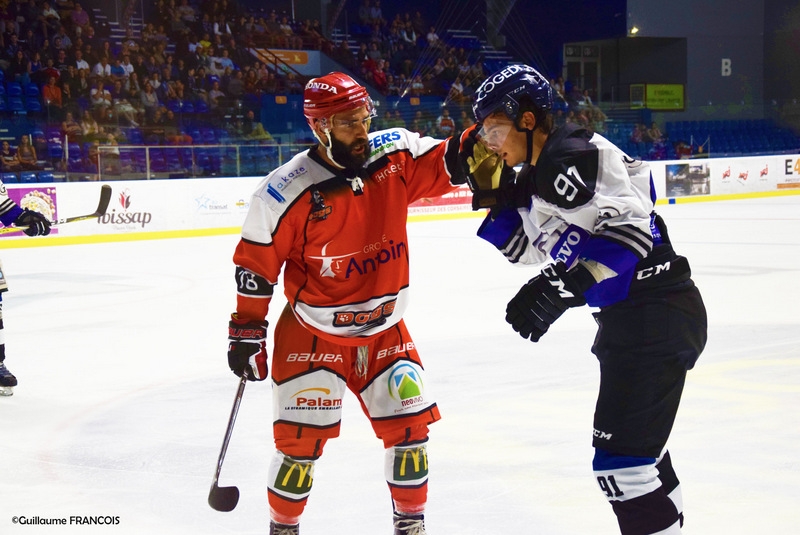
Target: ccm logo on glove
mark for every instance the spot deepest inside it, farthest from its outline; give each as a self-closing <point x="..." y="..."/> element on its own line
<point x="544" y="299"/>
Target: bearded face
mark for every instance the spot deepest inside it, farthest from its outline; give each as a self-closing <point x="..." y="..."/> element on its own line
<point x="351" y="155"/>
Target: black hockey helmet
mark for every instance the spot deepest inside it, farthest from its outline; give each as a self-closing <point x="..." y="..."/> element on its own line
<point x="503" y="90"/>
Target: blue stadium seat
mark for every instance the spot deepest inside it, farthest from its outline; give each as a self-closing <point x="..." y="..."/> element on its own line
<point x="75" y="166"/>
<point x="32" y="105"/>
<point x="158" y="163"/>
<point x="10" y="178"/>
<point x="88" y="167"/>
<point x="53" y="133"/>
<point x="186" y="155"/>
<point x="197" y="136"/>
<point x="126" y="160"/>
<point x="31" y="90"/>
<point x="210" y="160"/>
<point x="14" y="89"/>
<point x="200" y="106"/>
<point x="139" y="158"/>
<point x="174" y="105"/>
<point x="209" y="136"/>
<point x="74" y="151"/>
<point x="16" y="105"/>
<point x="55" y="150"/>
<point x="46" y="176"/>
<point x="223" y="137"/>
<point x="152" y="139"/>
<point x="173" y="160"/>
<point x="253" y="163"/>
<point x="135" y="136"/>
<point x="28" y="177"/>
<point x="201" y="158"/>
<point x="215" y="165"/>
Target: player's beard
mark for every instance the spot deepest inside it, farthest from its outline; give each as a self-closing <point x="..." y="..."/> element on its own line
<point x="343" y="154"/>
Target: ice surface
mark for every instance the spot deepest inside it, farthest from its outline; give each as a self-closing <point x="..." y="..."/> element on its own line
<point x="120" y="349"/>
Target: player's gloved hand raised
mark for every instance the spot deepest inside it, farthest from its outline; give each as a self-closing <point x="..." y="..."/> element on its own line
<point x="247" y="348"/>
<point x="544" y="298"/>
<point x="487" y="174"/>
<point x="38" y="225"/>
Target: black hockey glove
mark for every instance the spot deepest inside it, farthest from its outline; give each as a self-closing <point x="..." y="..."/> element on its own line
<point x="247" y="348"/>
<point x="487" y="174"/>
<point x="38" y="225"/>
<point x="544" y="298"/>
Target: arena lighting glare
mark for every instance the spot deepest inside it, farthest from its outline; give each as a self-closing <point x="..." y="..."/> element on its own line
<point x="634" y="30"/>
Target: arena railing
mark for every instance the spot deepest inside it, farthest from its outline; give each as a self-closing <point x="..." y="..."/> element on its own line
<point x="151" y="162"/>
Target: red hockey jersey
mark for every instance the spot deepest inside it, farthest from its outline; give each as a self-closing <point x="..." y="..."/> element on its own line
<point x="342" y="243"/>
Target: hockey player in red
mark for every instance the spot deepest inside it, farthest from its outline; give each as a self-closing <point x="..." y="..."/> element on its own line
<point x="35" y="225"/>
<point x="333" y="219"/>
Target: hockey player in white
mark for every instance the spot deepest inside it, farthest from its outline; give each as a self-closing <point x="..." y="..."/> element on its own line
<point x="36" y="225"/>
<point x="583" y="209"/>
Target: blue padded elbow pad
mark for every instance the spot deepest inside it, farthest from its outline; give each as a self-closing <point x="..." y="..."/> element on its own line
<point x="502" y="229"/>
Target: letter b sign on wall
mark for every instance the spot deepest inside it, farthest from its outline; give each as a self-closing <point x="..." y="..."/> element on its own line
<point x="726" y="67"/>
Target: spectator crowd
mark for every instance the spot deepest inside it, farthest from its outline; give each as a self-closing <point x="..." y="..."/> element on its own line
<point x="191" y="59"/>
<point x="61" y="68"/>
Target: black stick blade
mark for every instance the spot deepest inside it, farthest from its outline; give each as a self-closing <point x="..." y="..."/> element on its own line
<point x="105" y="198"/>
<point x="223" y="499"/>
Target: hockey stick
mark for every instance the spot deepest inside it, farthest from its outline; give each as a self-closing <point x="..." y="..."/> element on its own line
<point x="102" y="206"/>
<point x="225" y="498"/>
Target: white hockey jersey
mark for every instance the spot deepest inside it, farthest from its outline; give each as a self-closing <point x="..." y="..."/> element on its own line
<point x="585" y="198"/>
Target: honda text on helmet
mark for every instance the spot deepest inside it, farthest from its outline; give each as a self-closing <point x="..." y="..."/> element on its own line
<point x="336" y="94"/>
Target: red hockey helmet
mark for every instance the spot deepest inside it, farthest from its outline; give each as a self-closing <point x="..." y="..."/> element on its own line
<point x="334" y="93"/>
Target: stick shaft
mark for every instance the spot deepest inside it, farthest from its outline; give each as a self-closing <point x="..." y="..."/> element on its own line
<point x="229" y="431"/>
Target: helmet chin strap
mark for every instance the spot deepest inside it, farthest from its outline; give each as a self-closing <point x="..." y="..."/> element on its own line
<point x="356" y="183"/>
<point x="528" y="140"/>
<point x="529" y="148"/>
<point x="328" y="146"/>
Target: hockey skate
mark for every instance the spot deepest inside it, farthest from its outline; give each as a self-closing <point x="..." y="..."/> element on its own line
<point x="409" y="525"/>
<point x="283" y="529"/>
<point x="7" y="381"/>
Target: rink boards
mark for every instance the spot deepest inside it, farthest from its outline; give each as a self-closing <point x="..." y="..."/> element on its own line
<point x="153" y="209"/>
